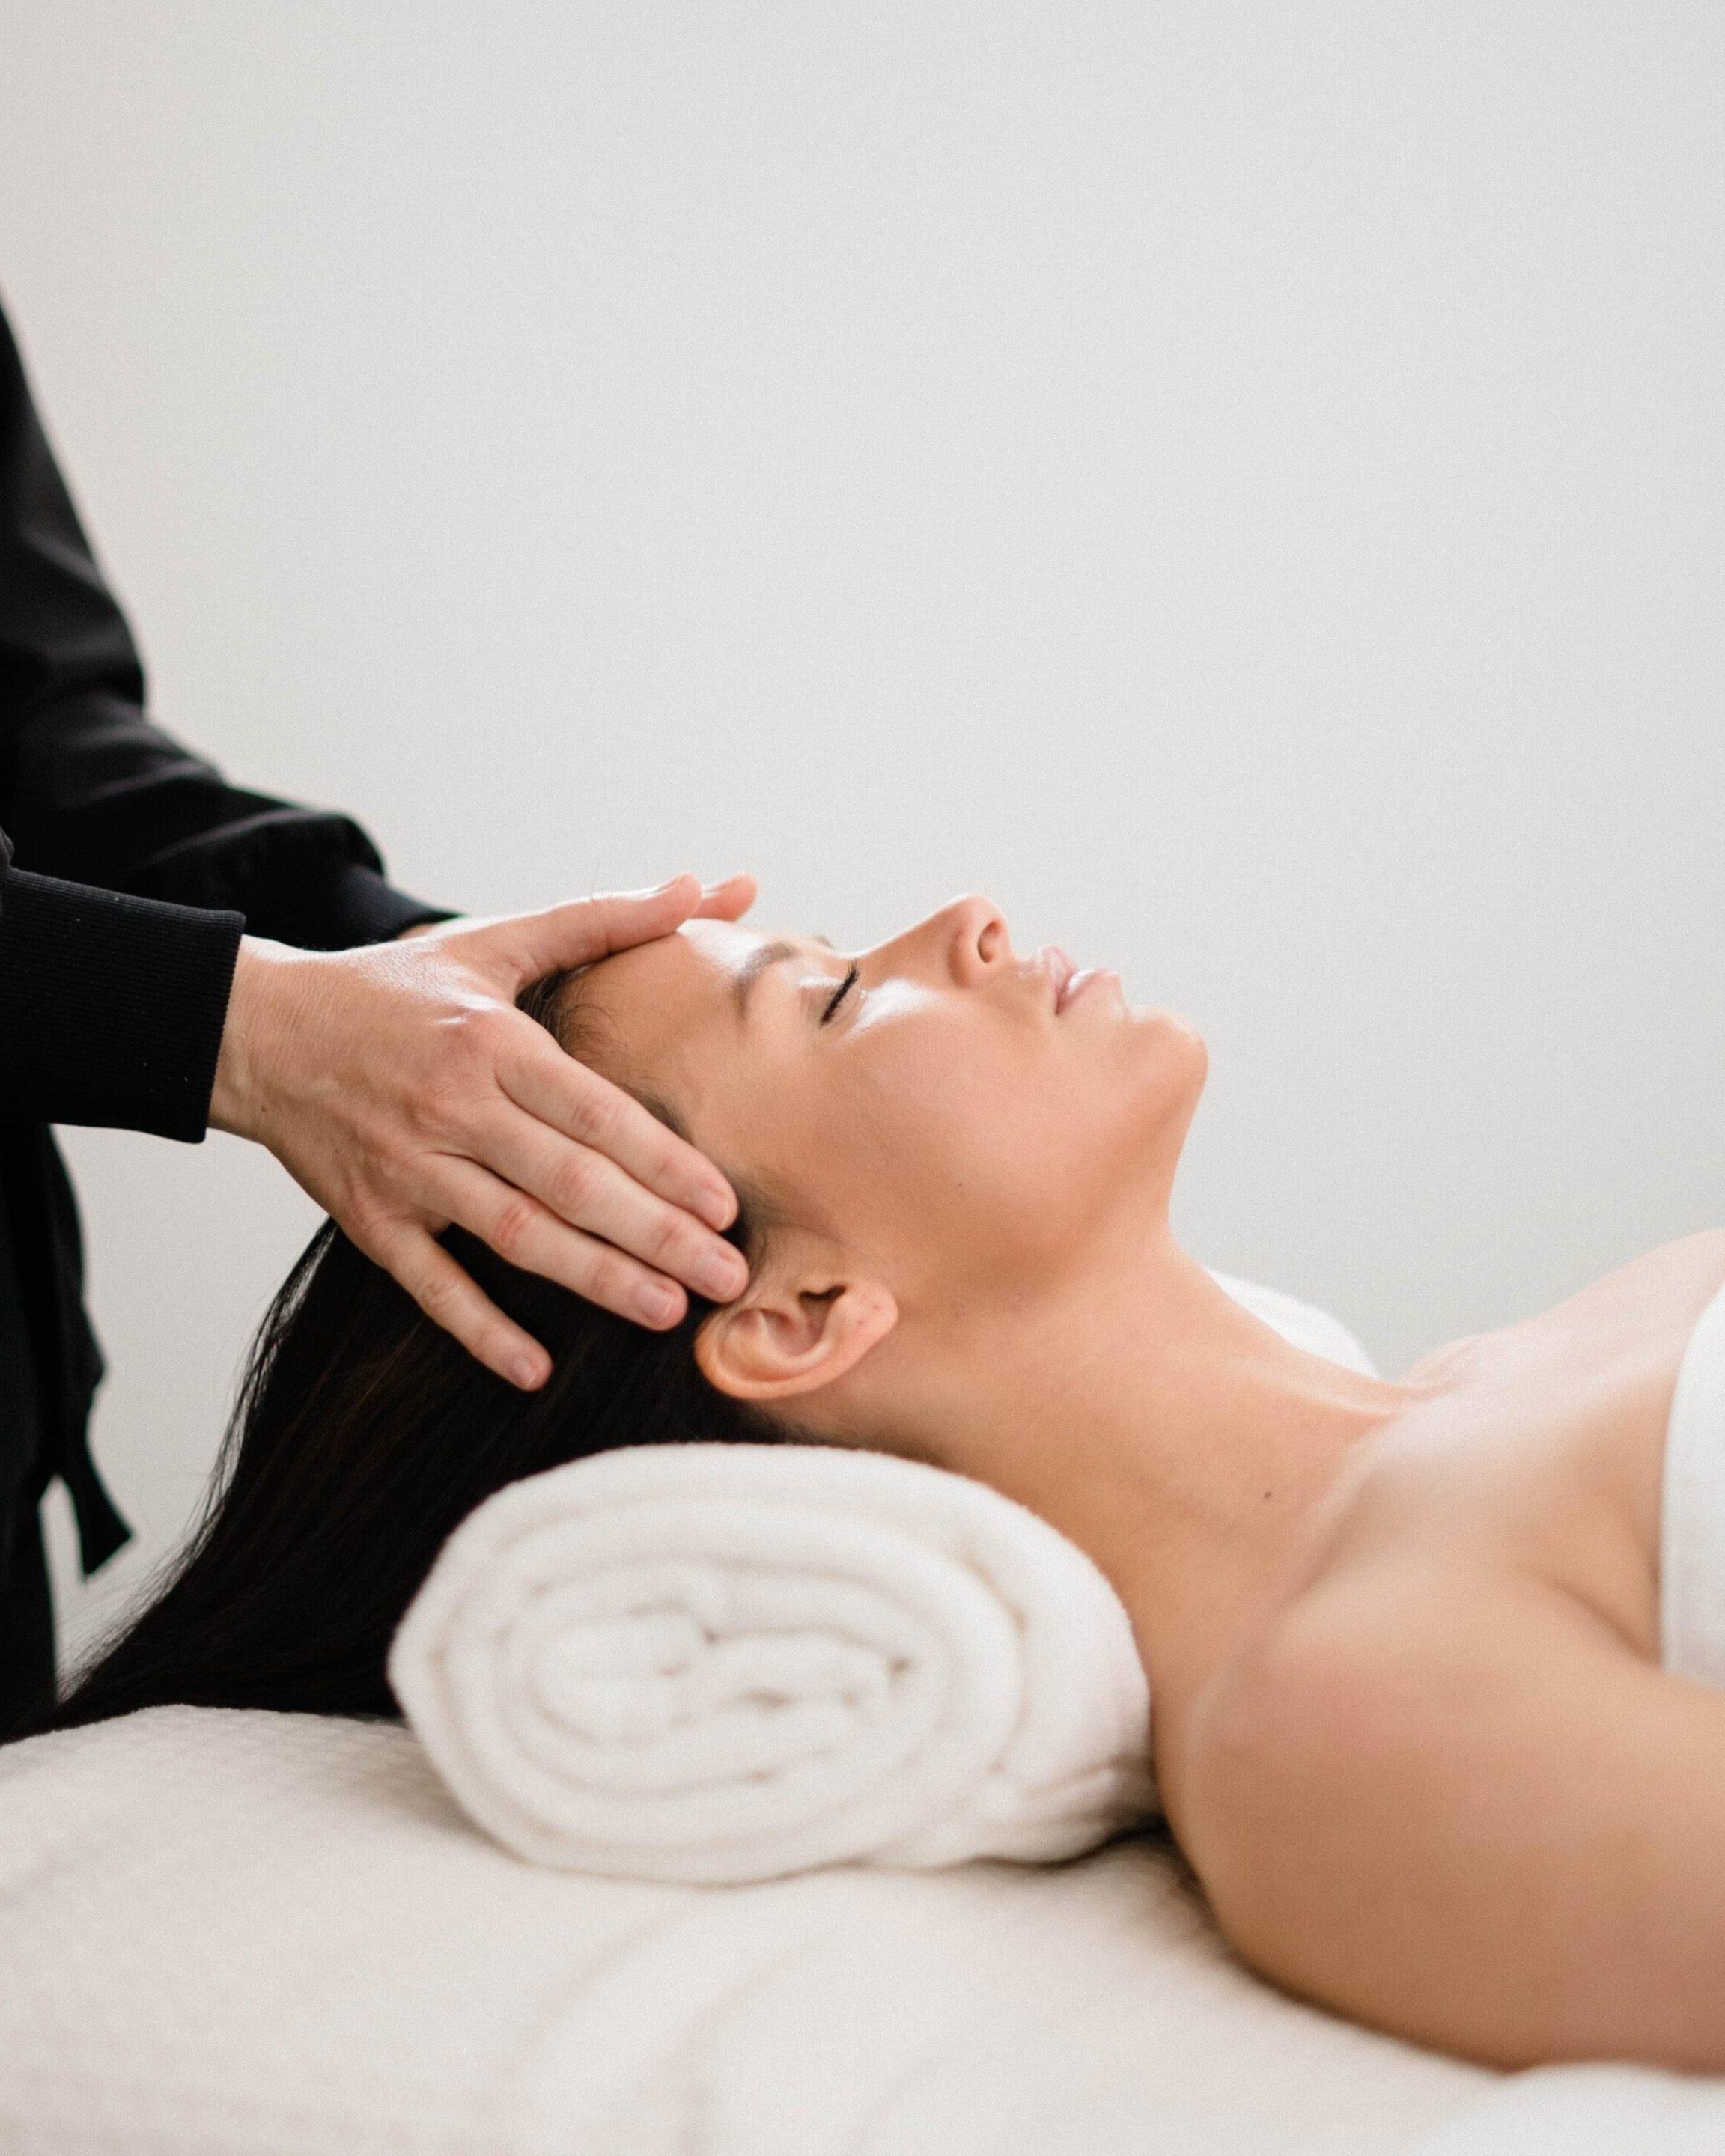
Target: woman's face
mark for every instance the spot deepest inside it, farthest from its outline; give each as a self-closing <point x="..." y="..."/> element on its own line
<point x="939" y="1120"/>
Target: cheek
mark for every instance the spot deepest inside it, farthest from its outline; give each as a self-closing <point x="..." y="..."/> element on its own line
<point x="988" y="1149"/>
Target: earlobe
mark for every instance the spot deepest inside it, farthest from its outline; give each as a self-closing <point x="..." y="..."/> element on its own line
<point x="776" y="1343"/>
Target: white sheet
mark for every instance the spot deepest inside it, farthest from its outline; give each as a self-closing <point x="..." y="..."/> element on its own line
<point x="273" y="1934"/>
<point x="1599" y="2109"/>
<point x="249" y="1934"/>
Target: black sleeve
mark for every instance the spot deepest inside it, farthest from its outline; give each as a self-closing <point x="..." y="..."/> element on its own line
<point x="126" y="863"/>
<point x="91" y="792"/>
<point x="111" y="1007"/>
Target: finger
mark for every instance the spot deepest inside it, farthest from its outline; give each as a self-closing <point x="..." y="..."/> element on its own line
<point x="578" y="1103"/>
<point x="727" y="900"/>
<point x="450" y="1298"/>
<point x="589" y="1191"/>
<point x="521" y="1231"/>
<point x="586" y="929"/>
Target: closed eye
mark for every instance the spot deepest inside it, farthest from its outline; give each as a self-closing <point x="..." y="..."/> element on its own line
<point x="839" y="995"/>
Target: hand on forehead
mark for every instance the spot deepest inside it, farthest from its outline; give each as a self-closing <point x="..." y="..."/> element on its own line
<point x="710" y="981"/>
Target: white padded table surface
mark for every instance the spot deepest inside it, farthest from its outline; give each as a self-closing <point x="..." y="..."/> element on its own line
<point x="224" y="1932"/>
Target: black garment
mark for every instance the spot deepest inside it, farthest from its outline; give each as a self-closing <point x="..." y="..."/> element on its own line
<point x="129" y="869"/>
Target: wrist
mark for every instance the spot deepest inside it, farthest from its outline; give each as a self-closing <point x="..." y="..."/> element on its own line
<point x="235" y="1101"/>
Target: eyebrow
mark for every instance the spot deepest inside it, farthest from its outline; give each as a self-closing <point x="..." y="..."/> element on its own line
<point x="758" y="960"/>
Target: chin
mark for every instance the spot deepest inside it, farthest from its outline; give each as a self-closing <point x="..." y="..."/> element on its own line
<point x="1170" y="1063"/>
<point x="1193" y="1046"/>
<point x="1164" y="1037"/>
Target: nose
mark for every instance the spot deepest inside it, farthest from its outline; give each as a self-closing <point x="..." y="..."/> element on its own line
<point x="965" y="943"/>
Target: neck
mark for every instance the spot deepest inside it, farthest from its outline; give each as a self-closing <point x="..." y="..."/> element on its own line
<point x="1188" y="1447"/>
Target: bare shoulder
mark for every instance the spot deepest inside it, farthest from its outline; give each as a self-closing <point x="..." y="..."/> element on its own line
<point x="1383" y="1804"/>
<point x="1362" y="1644"/>
<point x="1392" y="1755"/>
<point x="1669" y="1282"/>
<point x="1286" y="1725"/>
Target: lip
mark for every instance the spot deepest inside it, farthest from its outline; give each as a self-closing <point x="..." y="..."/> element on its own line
<point x="1060" y="970"/>
<point x="1074" y="985"/>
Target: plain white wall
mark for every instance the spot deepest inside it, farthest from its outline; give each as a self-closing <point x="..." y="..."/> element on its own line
<point x="1238" y="484"/>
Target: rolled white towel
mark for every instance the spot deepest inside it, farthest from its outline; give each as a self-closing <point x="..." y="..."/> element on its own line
<point x="725" y="1662"/>
<point x="715" y="1662"/>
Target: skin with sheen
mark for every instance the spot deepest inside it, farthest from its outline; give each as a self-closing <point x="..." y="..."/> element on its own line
<point x="972" y="1263"/>
<point x="1380" y="1620"/>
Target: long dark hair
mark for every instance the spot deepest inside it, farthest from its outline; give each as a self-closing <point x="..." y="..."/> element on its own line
<point x="361" y="1436"/>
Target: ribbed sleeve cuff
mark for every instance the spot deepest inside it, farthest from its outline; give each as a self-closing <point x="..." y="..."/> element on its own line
<point x="111" y="1007"/>
<point x="353" y="904"/>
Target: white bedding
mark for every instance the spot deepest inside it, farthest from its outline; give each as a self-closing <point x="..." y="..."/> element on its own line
<point x="249" y="1934"/>
<point x="275" y="1935"/>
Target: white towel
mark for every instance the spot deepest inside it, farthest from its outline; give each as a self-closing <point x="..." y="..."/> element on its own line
<point x="715" y="1663"/>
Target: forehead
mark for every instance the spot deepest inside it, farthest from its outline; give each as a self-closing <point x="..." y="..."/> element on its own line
<point x="666" y="997"/>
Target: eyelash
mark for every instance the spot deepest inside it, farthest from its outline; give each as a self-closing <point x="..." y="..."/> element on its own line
<point x="842" y="990"/>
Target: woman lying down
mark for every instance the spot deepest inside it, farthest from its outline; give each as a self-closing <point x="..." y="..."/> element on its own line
<point x="1403" y="1639"/>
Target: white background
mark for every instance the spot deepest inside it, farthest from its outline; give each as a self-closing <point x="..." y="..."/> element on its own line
<point x="1238" y="484"/>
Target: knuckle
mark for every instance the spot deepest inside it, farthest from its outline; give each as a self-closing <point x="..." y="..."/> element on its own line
<point x="383" y="1230"/>
<point x="512" y="1226"/>
<point x="469" y="1044"/>
<point x="434" y="1105"/>
<point x="439" y="1295"/>
<point x="593" y="1118"/>
<point x="391" y="1152"/>
<point x="574" y="1186"/>
<point x="366" y="1226"/>
<point x="671" y="1246"/>
<point x="490" y="1029"/>
<point x="468" y="1013"/>
<point x="609" y="1282"/>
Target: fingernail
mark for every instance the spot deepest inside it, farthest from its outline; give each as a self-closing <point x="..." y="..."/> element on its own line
<point x="526" y="1372"/>
<point x="658" y="1304"/>
<point x="660" y="888"/>
<point x="719" y="1278"/>
<point x="717" y="1208"/>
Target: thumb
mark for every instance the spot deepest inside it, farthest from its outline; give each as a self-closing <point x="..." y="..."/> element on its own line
<point x="585" y="929"/>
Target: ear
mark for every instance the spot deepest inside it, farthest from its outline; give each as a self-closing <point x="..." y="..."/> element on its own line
<point x="789" y="1337"/>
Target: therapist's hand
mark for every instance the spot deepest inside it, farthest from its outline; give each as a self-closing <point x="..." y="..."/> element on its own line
<point x="400" y="1086"/>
